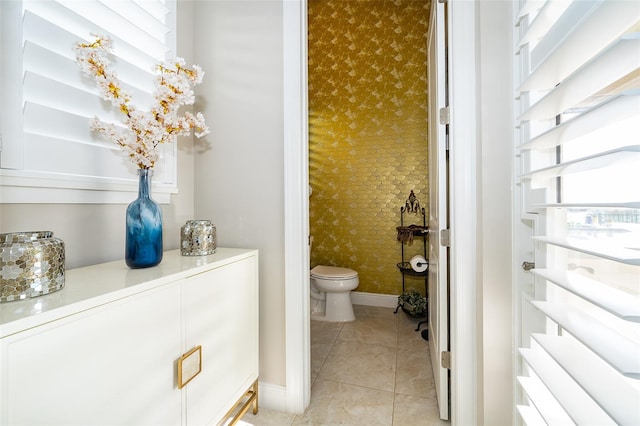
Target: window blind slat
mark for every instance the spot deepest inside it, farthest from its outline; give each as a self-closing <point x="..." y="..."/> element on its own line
<point x="542" y="22"/>
<point x="614" y="394"/>
<point x="625" y="154"/>
<point x="619" y="108"/>
<point x="49" y="64"/>
<point x="46" y="121"/>
<point x="590" y="26"/>
<point x="621" y="204"/>
<point x="619" y="303"/>
<point x="87" y="159"/>
<point x="589" y="79"/>
<point x="578" y="405"/>
<point x="140" y="17"/>
<point x="529" y="7"/>
<point x="547" y="409"/>
<point x="625" y="255"/>
<point x="54" y="95"/>
<point x="618" y="350"/>
<point x="155" y="8"/>
<point x="123" y="29"/>
<point x="530" y="416"/>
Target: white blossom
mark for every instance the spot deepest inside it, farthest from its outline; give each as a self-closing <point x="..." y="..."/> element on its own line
<point x="145" y="129"/>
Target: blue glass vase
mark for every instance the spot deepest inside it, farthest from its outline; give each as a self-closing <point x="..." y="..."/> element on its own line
<point x="144" y="226"/>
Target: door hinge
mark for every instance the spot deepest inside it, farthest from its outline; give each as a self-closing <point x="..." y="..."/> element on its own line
<point x="445" y="237"/>
<point x="442" y="1"/>
<point x="444" y="115"/>
<point x="445" y="359"/>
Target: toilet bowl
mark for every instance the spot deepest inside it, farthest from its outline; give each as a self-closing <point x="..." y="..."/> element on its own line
<point x="331" y="293"/>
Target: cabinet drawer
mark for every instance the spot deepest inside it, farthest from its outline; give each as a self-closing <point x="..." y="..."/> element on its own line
<point x="110" y="364"/>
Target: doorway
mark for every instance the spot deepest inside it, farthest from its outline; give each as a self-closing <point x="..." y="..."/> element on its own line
<point x="368" y="134"/>
<point x="298" y="384"/>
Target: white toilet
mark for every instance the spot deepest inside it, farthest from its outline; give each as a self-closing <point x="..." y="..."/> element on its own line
<point x="331" y="293"/>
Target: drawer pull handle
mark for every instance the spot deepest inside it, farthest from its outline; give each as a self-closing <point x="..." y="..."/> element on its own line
<point x="189" y="366"/>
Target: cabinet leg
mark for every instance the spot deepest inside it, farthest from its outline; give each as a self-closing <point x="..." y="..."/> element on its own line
<point x="255" y="400"/>
<point x="251" y="401"/>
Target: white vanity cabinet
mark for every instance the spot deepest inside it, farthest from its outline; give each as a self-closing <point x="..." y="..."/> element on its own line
<point x="106" y="348"/>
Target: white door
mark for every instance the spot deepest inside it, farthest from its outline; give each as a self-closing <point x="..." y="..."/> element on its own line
<point x="438" y="208"/>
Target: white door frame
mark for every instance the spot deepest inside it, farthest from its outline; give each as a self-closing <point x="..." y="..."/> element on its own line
<point x="296" y="206"/>
<point x="465" y="210"/>
<point x="464" y="132"/>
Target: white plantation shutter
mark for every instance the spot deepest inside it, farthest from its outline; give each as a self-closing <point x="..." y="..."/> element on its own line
<point x="47" y="102"/>
<point x="578" y="99"/>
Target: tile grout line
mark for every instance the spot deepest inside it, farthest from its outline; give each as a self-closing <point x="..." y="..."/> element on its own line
<point x="395" y="376"/>
<point x="401" y="342"/>
<point x="332" y="344"/>
<point x="357" y="386"/>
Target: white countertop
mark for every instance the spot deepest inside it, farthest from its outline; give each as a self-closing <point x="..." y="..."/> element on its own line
<point x="96" y="285"/>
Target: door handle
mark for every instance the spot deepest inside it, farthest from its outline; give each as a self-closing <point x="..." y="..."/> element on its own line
<point x="527" y="266"/>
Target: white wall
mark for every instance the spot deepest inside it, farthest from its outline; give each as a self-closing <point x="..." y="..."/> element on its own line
<point x="239" y="177"/>
<point x="496" y="155"/>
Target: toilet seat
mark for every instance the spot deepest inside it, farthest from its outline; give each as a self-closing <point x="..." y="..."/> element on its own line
<point x="333" y="273"/>
<point x="330" y="292"/>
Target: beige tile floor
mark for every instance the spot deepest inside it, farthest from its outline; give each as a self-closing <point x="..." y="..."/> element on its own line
<point x="373" y="371"/>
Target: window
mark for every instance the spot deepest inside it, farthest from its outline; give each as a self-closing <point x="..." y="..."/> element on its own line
<point x="578" y="66"/>
<point x="48" y="152"/>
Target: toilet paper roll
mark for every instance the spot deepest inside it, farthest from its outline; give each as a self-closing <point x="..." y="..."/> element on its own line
<point x="419" y="263"/>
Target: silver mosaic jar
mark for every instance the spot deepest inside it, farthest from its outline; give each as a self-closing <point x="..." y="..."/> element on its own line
<point x="31" y="264"/>
<point x="197" y="238"/>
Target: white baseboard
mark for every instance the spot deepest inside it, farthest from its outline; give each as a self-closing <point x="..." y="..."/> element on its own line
<point x="273" y="397"/>
<point x="374" y="299"/>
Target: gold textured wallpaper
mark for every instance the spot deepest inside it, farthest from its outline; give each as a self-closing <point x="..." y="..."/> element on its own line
<point x="368" y="133"/>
